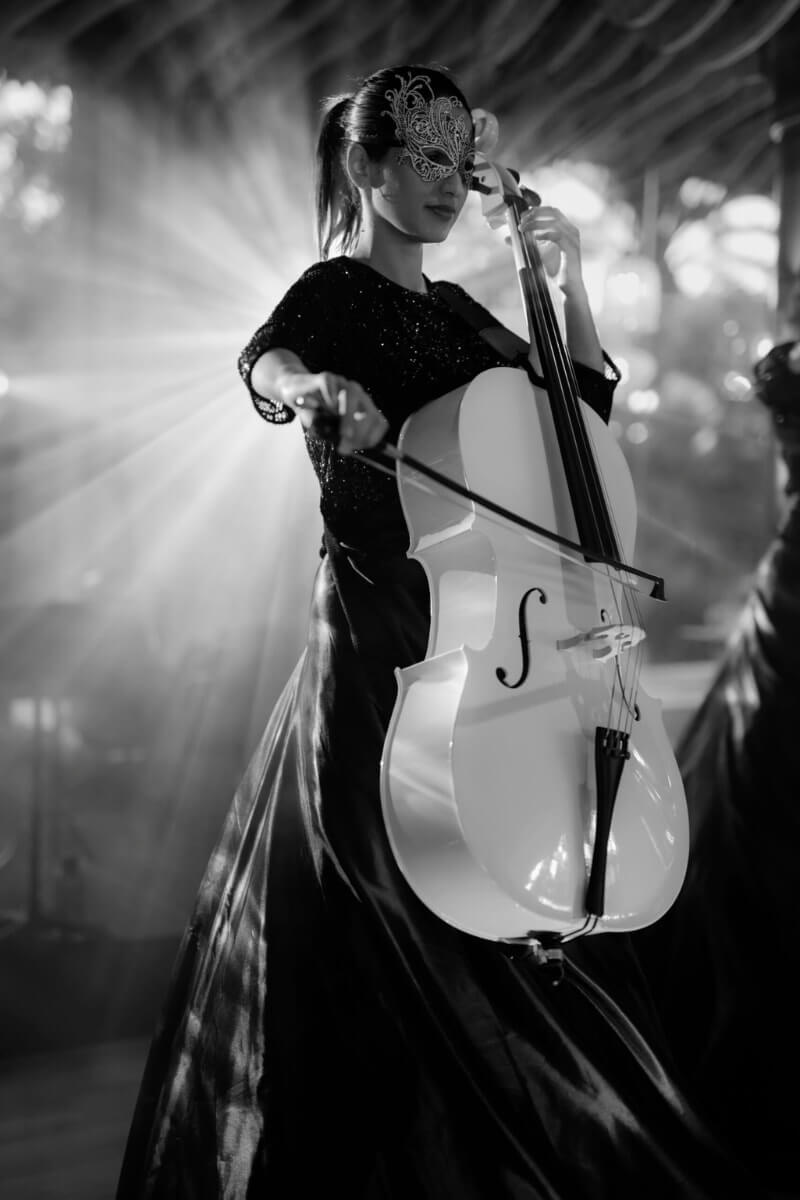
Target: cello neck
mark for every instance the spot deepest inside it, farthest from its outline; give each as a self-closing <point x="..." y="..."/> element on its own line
<point x="592" y="515"/>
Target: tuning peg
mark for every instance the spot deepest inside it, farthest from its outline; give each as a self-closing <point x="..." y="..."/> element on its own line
<point x="487" y="130"/>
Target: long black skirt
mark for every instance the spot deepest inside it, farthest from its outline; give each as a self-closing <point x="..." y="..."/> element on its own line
<point x="325" y="1034"/>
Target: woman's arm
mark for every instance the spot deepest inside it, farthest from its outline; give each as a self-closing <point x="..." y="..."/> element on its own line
<point x="582" y="340"/>
<point x="281" y="376"/>
<point x="550" y="224"/>
<point x="273" y="371"/>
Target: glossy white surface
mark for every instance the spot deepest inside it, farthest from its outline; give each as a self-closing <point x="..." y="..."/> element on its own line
<point x="487" y="790"/>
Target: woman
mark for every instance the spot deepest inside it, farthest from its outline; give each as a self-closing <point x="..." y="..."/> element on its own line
<point x="325" y="1030"/>
<point x="733" y="934"/>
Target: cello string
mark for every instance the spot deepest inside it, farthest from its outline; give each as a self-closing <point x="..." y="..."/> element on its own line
<point x="543" y="335"/>
<point x="540" y="302"/>
<point x="629" y="606"/>
<point x="561" y="373"/>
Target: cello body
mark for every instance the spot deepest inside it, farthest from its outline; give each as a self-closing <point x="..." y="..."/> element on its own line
<point x="489" y="775"/>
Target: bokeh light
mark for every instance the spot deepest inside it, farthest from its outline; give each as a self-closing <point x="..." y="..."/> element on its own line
<point x="734" y="245"/>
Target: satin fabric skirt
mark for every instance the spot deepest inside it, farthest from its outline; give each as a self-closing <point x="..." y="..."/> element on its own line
<point x="326" y="1034"/>
<point x="723" y="961"/>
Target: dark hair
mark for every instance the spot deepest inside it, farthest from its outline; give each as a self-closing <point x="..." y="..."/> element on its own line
<point x="361" y="117"/>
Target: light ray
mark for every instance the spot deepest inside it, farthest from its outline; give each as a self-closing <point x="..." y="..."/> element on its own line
<point x="151" y="511"/>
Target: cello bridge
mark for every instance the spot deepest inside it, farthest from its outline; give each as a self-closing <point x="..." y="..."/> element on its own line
<point x="604" y="641"/>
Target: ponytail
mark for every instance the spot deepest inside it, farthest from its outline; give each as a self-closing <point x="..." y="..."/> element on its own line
<point x="338" y="208"/>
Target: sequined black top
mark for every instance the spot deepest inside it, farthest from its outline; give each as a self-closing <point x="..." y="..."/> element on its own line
<point x="405" y="349"/>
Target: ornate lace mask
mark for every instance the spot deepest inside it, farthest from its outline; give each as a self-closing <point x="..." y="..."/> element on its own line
<point x="435" y="141"/>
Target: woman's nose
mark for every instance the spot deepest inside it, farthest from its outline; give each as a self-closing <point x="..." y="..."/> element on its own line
<point x="454" y="185"/>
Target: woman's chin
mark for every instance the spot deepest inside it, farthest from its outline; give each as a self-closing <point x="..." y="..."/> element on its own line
<point x="435" y="235"/>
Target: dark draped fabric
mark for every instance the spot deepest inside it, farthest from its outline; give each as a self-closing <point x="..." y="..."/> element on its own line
<point x="324" y="1033"/>
<point x="722" y="961"/>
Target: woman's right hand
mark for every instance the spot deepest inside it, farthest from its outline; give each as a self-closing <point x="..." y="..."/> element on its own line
<point x="358" y="423"/>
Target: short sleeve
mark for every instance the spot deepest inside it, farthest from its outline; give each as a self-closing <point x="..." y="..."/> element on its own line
<point x="306" y="321"/>
<point x="596" y="388"/>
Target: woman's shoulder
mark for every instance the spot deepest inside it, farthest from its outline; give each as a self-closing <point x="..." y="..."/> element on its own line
<point x="319" y="275"/>
<point x="338" y="268"/>
<point x="335" y="277"/>
<point x="308" y="317"/>
<point x="319" y="293"/>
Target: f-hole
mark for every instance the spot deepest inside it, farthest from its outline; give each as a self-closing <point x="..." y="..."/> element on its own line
<point x="501" y="672"/>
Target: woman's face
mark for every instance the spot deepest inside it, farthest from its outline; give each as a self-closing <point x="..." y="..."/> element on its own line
<point x="424" y="209"/>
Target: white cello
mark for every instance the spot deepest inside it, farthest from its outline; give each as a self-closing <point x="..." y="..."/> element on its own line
<point x="528" y="786"/>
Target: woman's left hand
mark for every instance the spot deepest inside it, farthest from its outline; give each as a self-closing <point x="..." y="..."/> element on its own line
<point x="560" y="243"/>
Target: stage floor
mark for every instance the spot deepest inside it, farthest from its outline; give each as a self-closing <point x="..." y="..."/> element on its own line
<point x="64" y="1118"/>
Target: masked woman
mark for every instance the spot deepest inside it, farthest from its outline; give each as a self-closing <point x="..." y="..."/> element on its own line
<point x="325" y="1032"/>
